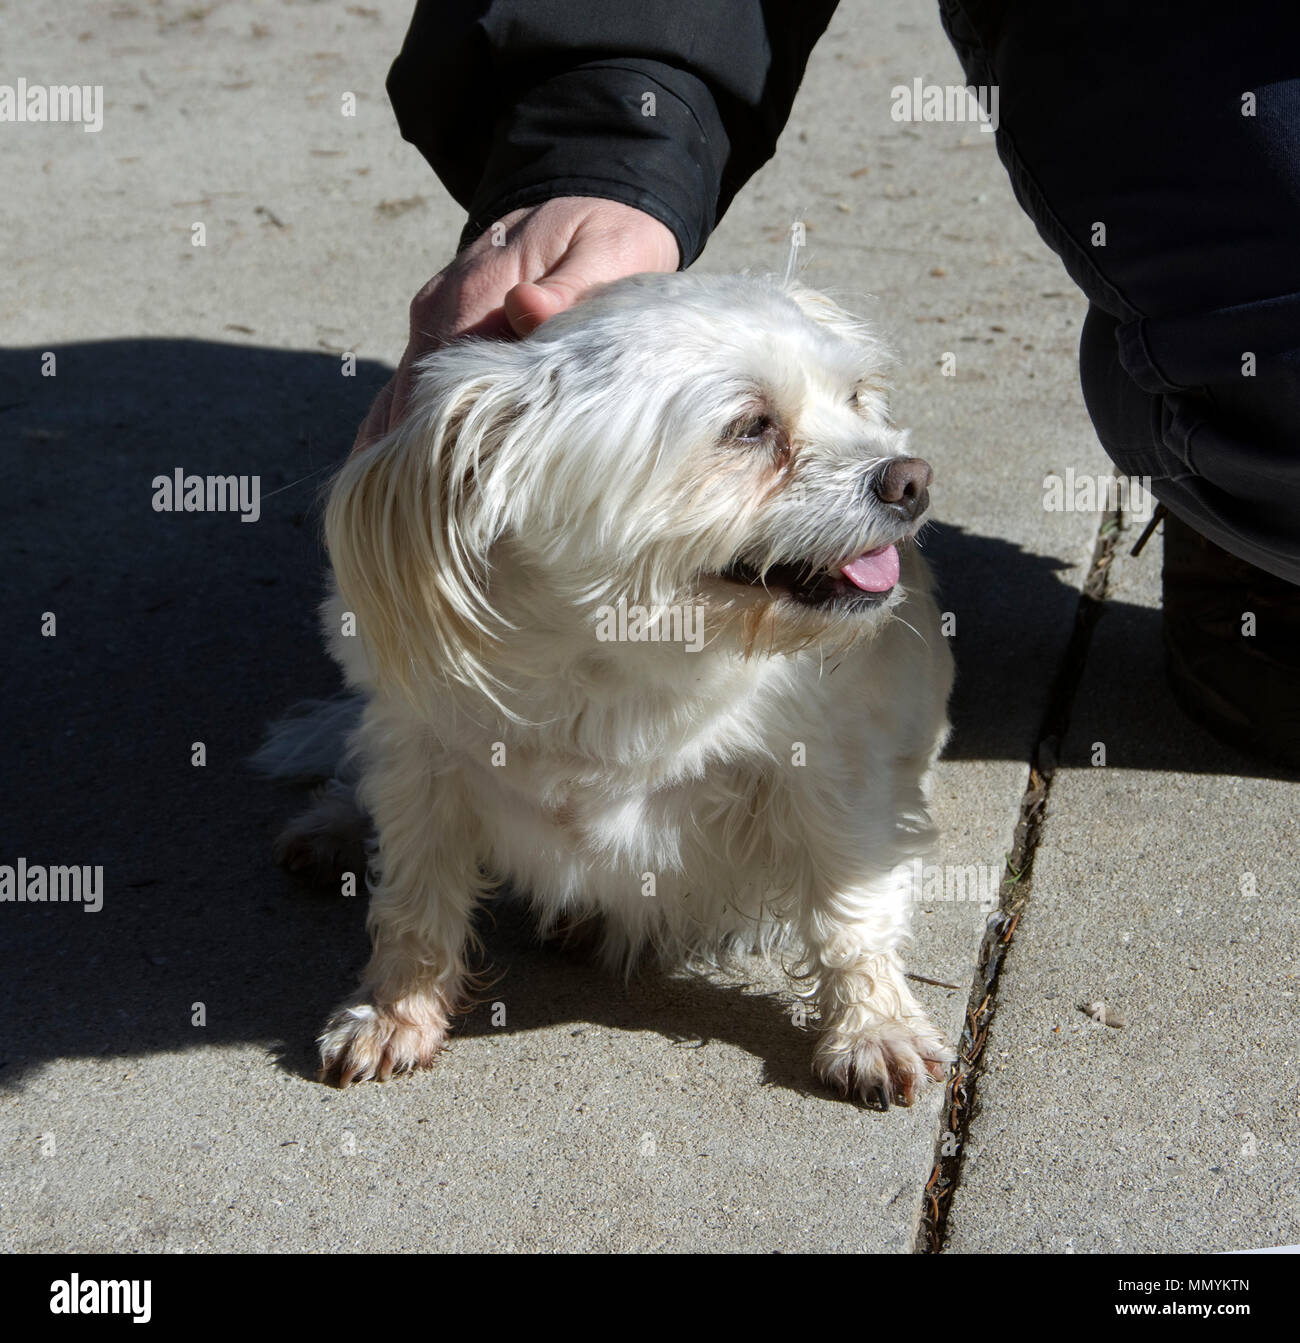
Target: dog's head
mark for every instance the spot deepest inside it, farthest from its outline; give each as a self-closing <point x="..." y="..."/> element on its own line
<point x="672" y="439"/>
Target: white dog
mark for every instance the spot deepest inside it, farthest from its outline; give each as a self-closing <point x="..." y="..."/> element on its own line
<point x="641" y="630"/>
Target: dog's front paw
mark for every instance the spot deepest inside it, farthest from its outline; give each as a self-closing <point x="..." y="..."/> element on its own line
<point x="363" y="1041"/>
<point x="883" y="1065"/>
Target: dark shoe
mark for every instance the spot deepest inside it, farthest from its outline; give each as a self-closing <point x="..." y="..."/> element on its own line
<point x="1232" y="645"/>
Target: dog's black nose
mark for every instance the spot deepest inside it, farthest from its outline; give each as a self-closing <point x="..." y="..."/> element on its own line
<point x="901" y="483"/>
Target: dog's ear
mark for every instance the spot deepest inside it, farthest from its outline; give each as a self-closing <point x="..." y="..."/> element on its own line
<point x="874" y="387"/>
<point x="411" y="521"/>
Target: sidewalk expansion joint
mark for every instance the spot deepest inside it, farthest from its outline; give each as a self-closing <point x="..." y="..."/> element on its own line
<point x="1013" y="898"/>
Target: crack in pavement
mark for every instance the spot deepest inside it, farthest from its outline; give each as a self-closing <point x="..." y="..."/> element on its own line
<point x="1013" y="897"/>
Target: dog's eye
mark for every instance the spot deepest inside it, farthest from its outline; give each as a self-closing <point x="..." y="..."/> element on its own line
<point x="752" y="429"/>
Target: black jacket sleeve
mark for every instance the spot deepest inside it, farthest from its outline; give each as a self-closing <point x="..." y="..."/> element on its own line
<point x="666" y="105"/>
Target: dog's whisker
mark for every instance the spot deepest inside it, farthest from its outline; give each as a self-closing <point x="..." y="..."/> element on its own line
<point x="910" y="626"/>
<point x="270" y="494"/>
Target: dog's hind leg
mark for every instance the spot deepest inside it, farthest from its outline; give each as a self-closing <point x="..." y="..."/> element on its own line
<point x="309" y="745"/>
<point x="329" y="838"/>
<point x="425" y="883"/>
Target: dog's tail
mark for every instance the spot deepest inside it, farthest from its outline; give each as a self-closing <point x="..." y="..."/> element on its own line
<point x="310" y="742"/>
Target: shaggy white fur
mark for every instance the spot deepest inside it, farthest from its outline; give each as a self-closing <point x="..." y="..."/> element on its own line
<point x="641" y="628"/>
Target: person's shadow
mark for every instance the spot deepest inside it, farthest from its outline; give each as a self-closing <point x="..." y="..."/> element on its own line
<point x="140" y="643"/>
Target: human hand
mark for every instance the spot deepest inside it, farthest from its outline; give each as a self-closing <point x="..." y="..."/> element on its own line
<point x="549" y="255"/>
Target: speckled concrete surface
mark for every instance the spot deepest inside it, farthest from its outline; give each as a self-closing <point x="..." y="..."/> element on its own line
<point x="675" y="1114"/>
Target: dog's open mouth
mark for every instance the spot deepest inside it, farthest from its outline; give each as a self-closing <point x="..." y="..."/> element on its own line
<point x="866" y="580"/>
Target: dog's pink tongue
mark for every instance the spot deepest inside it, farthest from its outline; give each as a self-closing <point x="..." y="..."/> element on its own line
<point x="876" y="571"/>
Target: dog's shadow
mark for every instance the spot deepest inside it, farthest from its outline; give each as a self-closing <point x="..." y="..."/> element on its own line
<point x="147" y="650"/>
<point x="529" y="984"/>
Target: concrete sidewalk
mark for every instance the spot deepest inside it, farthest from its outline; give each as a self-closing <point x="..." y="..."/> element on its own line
<point x="1166" y="887"/>
<point x="678" y="1114"/>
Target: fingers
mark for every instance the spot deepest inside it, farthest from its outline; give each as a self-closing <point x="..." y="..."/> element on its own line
<point x="528" y="305"/>
<point x="375" y="425"/>
<point x="401" y="393"/>
<point x="570" y="244"/>
<point x="534" y="263"/>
